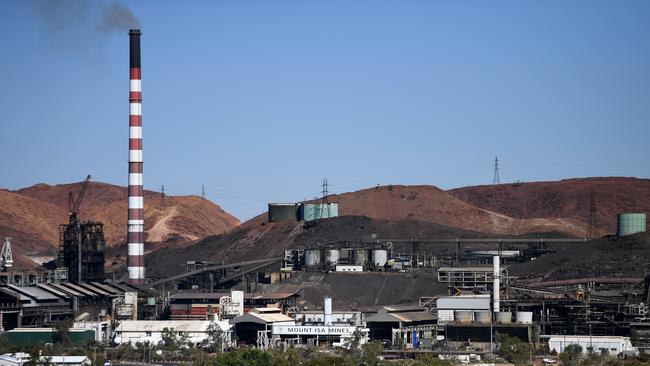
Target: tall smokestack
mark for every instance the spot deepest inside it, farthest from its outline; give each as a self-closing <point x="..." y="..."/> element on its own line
<point x="136" y="194"/>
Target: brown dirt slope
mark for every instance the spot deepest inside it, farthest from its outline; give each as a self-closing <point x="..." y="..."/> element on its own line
<point x="567" y="199"/>
<point x="431" y="204"/>
<point x="32" y="215"/>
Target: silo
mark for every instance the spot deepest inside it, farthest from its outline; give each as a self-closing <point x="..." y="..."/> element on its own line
<point x="483" y="317"/>
<point x="379" y="257"/>
<point x="360" y="256"/>
<point x="332" y="256"/>
<point x="524" y="317"/>
<point x="312" y="257"/>
<point x="463" y="316"/>
<point x="630" y="223"/>
<point x="504" y="317"/>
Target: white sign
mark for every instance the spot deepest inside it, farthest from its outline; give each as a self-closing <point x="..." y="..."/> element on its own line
<point x="311" y="330"/>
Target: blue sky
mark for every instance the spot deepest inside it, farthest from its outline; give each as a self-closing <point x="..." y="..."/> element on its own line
<point x="259" y="101"/>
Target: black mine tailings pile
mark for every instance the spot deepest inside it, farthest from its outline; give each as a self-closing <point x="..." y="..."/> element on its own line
<point x="365" y="289"/>
<point x="606" y="257"/>
<point x="256" y="239"/>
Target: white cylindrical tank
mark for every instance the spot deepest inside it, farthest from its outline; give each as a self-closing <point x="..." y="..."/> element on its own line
<point x="327" y="310"/>
<point x="312" y="257"/>
<point x="524" y="317"/>
<point x="332" y="256"/>
<point x="504" y="317"/>
<point x="483" y="317"/>
<point x="463" y="316"/>
<point x="379" y="257"/>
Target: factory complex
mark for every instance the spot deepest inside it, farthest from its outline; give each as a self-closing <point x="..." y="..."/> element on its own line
<point x="453" y="297"/>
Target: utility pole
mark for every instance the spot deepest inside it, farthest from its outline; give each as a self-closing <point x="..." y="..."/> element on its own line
<point x="162" y="197"/>
<point x="325" y="192"/>
<point x="592" y="229"/>
<point x="495" y="177"/>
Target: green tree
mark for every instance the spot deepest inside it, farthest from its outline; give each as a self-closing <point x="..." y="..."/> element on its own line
<point x="571" y="355"/>
<point x="215" y="338"/>
<point x="513" y="349"/>
<point x="169" y="337"/>
<point x="370" y="353"/>
<point x="62" y="333"/>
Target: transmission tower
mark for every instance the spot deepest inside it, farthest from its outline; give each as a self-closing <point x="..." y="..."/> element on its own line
<point x="592" y="229"/>
<point x="203" y="191"/>
<point x="495" y="178"/>
<point x="325" y="193"/>
<point x="162" y="197"/>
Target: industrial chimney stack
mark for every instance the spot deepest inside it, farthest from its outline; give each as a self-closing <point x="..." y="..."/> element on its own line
<point x="135" y="237"/>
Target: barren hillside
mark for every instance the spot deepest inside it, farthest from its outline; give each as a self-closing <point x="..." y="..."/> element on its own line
<point x="567" y="198"/>
<point x="31" y="216"/>
<point x="431" y="204"/>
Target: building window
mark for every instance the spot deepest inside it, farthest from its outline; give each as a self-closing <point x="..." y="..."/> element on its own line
<point x="148" y="334"/>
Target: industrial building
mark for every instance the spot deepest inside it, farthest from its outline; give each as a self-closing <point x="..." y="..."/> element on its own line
<point x="81" y="244"/>
<point x="45" y="304"/>
<point x="201" y="305"/>
<point x="140" y="331"/>
<point x="382" y="324"/>
<point x="603" y="345"/>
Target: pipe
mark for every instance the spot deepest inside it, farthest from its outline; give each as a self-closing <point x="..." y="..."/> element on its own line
<point x="327" y="311"/>
<point x="135" y="232"/>
<point x="496" y="284"/>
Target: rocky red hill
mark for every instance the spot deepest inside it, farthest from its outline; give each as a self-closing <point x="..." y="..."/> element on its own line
<point x="567" y="199"/>
<point x="31" y="216"/>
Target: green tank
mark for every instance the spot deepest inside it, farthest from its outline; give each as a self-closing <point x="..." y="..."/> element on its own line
<point x="630" y="223"/>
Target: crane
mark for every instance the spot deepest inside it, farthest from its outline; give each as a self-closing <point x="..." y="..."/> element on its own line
<point x="73" y="205"/>
<point x="6" y="258"/>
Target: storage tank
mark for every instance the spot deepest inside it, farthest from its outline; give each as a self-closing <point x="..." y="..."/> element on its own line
<point x="360" y="257"/>
<point x="483" y="317"/>
<point x="312" y="257"/>
<point x="504" y="317"/>
<point x="332" y="256"/>
<point x="379" y="257"/>
<point x="463" y="316"/>
<point x="524" y="317"/>
<point x="279" y="212"/>
<point x="630" y="223"/>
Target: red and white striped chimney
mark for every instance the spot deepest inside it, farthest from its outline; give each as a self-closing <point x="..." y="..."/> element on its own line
<point x="135" y="234"/>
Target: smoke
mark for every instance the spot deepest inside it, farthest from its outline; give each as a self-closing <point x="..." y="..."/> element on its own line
<point x="117" y="17"/>
<point x="86" y="18"/>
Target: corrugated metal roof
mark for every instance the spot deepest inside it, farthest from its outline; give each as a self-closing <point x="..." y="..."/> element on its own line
<point x="54" y="290"/>
<point x="15" y="294"/>
<point x="79" y="289"/>
<point x="262" y="318"/>
<point x="34" y="292"/>
<point x="416" y="316"/>
<point x="95" y="289"/>
<point x="67" y="290"/>
<point x="107" y="288"/>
